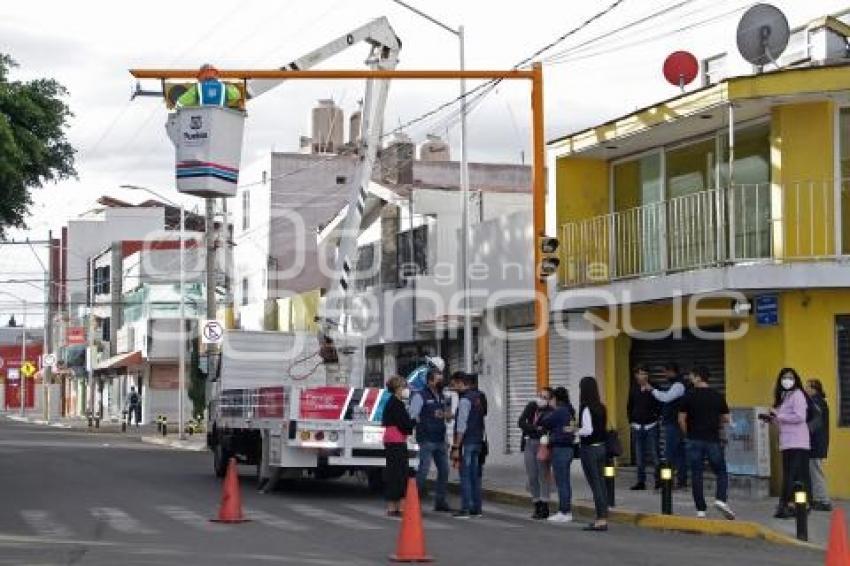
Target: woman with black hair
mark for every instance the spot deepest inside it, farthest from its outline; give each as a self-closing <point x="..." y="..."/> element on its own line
<point x="789" y="414"/>
<point x="593" y="435"/>
<point x="560" y="424"/>
<point x="397" y="427"/>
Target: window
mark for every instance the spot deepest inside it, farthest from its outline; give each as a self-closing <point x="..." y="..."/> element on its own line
<point x="638" y="226"/>
<point x="340" y="180"/>
<point x="246" y="210"/>
<point x="105" y="329"/>
<point x="844" y="158"/>
<point x="417" y="264"/>
<point x="714" y="69"/>
<point x="842" y="351"/>
<point x="368" y="272"/>
<point x="245" y="287"/>
<point x="100" y="281"/>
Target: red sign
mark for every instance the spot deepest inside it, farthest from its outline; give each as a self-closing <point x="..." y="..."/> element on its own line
<point x="680" y="68"/>
<point x="323" y="402"/>
<point x="75" y="335"/>
<point x="270" y="402"/>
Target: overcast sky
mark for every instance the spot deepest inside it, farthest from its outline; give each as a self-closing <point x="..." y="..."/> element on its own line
<point x="89" y="50"/>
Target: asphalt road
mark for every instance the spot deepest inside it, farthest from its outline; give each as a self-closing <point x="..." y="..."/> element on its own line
<point x="105" y="499"/>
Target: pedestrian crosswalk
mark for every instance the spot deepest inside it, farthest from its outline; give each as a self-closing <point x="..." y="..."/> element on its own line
<point x="298" y="516"/>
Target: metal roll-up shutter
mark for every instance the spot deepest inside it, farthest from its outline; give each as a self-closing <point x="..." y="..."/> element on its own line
<point x="687" y="350"/>
<point x="520" y="378"/>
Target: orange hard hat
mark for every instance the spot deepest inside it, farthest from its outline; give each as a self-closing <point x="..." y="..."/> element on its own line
<point x="207" y="72"/>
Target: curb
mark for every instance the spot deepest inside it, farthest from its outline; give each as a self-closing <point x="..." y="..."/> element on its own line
<point x="42" y="422"/>
<point x="174" y="443"/>
<point x="678" y="523"/>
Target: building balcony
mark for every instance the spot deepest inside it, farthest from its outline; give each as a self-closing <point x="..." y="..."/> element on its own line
<point x="806" y="221"/>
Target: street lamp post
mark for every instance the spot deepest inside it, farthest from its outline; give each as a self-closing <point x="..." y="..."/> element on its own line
<point x="181" y="351"/>
<point x="464" y="186"/>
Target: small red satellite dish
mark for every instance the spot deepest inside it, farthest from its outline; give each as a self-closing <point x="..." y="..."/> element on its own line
<point x="680" y="68"/>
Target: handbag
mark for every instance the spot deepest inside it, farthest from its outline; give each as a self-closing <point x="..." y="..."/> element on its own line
<point x="613" y="446"/>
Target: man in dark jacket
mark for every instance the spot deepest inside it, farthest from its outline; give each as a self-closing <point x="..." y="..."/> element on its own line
<point x="430" y="409"/>
<point x="820" y="447"/>
<point x="643" y="412"/>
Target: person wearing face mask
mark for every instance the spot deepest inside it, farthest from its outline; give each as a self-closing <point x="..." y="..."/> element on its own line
<point x="538" y="470"/>
<point x="397" y="427"/>
<point x="430" y="409"/>
<point x="789" y="414"/>
<point x="560" y="424"/>
<point x="643" y="412"/>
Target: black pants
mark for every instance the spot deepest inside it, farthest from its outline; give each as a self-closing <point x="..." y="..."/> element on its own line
<point x="396" y="471"/>
<point x="795" y="468"/>
<point x="593" y="464"/>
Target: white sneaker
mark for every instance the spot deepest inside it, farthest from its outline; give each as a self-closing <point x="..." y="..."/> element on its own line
<point x="700" y="514"/>
<point x="725" y="510"/>
<point x="561" y="518"/>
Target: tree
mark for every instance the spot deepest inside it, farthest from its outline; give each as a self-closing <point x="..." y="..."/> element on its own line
<point x="33" y="146"/>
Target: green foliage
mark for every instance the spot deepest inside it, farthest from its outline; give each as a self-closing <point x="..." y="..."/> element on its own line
<point x="33" y="146"/>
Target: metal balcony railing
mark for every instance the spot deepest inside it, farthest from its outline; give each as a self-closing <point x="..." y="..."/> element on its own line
<point x="742" y="223"/>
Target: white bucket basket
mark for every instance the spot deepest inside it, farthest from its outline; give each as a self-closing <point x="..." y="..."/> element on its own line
<point x="208" y="148"/>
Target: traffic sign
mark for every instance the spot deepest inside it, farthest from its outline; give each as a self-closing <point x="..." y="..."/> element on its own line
<point x="28" y="369"/>
<point x="767" y="310"/>
<point x="49" y="359"/>
<point x="212" y="332"/>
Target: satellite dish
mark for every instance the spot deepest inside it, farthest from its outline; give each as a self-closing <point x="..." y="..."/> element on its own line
<point x="680" y="68"/>
<point x="763" y="34"/>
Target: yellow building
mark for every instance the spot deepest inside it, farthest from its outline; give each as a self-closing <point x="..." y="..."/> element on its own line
<point x="714" y="229"/>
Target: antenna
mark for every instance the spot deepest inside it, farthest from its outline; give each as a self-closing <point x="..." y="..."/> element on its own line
<point x="763" y="34"/>
<point x="680" y="68"/>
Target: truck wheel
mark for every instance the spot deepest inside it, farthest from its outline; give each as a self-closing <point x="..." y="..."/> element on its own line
<point x="220" y="458"/>
<point x="375" y="480"/>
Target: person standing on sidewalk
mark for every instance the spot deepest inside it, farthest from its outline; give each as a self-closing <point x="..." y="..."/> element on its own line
<point x="820" y="448"/>
<point x="134" y="407"/>
<point x="593" y="436"/>
<point x="466" y="448"/>
<point x="790" y="414"/>
<point x="429" y="408"/>
<point x="642" y="410"/>
<point x="539" y="471"/>
<point x="560" y="424"/>
<point x="674" y="441"/>
<point x="397" y="427"/>
<point x="702" y="414"/>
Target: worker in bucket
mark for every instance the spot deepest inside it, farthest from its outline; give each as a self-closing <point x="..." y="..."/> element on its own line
<point x="210" y="91"/>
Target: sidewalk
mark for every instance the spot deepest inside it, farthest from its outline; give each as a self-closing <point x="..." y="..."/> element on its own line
<point x="504" y="481"/>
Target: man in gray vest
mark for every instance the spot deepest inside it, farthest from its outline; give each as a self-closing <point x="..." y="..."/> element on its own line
<point x="430" y="410"/>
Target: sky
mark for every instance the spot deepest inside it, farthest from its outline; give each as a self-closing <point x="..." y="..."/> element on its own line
<point x="600" y="72"/>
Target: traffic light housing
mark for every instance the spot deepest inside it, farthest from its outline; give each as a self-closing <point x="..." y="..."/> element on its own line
<point x="549" y="260"/>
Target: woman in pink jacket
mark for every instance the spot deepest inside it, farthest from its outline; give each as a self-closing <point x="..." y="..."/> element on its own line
<point x="789" y="415"/>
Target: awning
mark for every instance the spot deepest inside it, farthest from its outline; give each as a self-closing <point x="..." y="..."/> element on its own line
<point x="121" y="361"/>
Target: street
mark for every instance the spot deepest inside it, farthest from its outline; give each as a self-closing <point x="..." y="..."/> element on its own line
<point x="71" y="497"/>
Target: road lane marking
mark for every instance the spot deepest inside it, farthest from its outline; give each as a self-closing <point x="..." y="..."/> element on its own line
<point x="366" y="509"/>
<point x="274" y="521"/>
<point x="43" y="524"/>
<point x="190" y="518"/>
<point x="333" y="518"/>
<point x="120" y="521"/>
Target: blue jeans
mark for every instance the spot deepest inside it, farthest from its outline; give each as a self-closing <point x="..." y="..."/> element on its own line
<point x="646" y="451"/>
<point x="698" y="451"/>
<point x="470" y="479"/>
<point x="562" y="457"/>
<point x="439" y="453"/>
<point x="674" y="451"/>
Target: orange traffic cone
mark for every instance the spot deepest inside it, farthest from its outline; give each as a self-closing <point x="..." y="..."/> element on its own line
<point x="837" y="552"/>
<point x="411" y="538"/>
<point x="231" y="502"/>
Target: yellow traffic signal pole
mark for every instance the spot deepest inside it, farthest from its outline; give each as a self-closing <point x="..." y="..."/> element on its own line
<point x="538" y="148"/>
